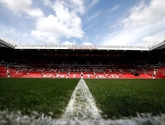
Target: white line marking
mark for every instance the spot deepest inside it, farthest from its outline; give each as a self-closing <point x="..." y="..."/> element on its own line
<point x="17" y="118"/>
<point x="82" y="104"/>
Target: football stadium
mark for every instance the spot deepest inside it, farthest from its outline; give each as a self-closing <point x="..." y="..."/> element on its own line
<point x="76" y="84"/>
<point x="82" y="62"/>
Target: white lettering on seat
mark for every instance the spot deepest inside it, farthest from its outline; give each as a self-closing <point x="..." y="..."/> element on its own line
<point x="114" y="76"/>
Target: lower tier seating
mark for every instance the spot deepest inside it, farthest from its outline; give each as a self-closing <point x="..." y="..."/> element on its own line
<point x="55" y="72"/>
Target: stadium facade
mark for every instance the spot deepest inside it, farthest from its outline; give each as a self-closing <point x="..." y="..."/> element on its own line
<point x="77" y="61"/>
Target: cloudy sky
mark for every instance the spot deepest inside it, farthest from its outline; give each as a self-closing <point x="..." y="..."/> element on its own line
<point x="83" y="22"/>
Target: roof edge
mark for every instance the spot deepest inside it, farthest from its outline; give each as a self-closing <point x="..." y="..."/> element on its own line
<point x="15" y="45"/>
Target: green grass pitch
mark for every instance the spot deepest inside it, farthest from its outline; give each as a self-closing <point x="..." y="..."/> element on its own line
<point x="41" y="95"/>
<point x="114" y="97"/>
<point x="118" y="98"/>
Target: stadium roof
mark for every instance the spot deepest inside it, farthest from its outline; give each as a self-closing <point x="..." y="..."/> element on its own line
<point x="4" y="42"/>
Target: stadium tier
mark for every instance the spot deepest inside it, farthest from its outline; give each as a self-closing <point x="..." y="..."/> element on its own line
<point x="61" y="61"/>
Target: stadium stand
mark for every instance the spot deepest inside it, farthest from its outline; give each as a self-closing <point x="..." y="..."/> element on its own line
<point x="80" y="62"/>
<point x="3" y="71"/>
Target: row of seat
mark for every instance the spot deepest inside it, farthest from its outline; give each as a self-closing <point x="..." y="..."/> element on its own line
<point x="79" y="62"/>
<point x="34" y="72"/>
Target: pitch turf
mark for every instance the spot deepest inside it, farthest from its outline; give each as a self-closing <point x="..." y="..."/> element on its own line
<point x="115" y="98"/>
<point x="41" y="95"/>
<point x="118" y="98"/>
